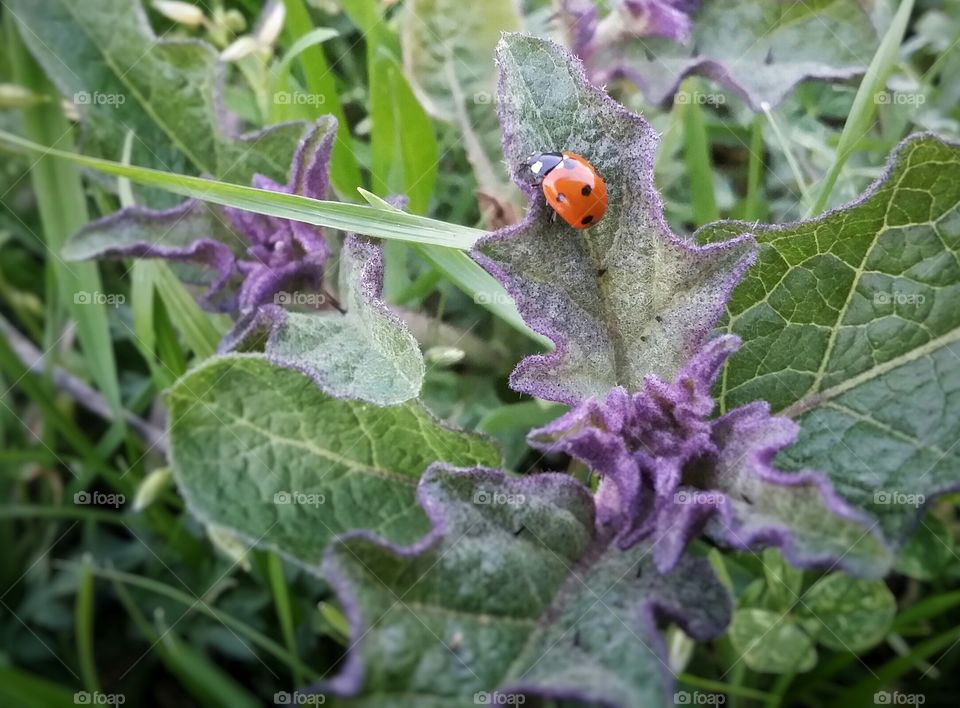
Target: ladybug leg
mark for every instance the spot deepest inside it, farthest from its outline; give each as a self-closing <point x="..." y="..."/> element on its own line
<point x="553" y="216"/>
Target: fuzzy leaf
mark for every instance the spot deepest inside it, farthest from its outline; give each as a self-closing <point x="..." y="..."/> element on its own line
<point x="760" y="50"/>
<point x="103" y="55"/>
<point x="367" y="353"/>
<point x="625" y="298"/>
<point x="258" y="450"/>
<point x="850" y="325"/>
<point x="511" y="592"/>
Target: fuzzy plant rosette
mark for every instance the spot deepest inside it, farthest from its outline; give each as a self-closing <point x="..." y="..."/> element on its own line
<point x="464" y="583"/>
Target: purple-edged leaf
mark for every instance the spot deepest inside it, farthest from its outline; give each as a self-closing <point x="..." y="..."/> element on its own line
<point x="626" y="297"/>
<point x="259" y="450"/>
<point x="511" y="592"/>
<point x="669" y="472"/>
<point x="851" y="327"/>
<point x="244" y="258"/>
<point x="760" y="50"/>
<point x="104" y="56"/>
<point x="366" y="353"/>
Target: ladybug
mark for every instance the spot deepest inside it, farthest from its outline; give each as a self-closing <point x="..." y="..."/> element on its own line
<point x="571" y="186"/>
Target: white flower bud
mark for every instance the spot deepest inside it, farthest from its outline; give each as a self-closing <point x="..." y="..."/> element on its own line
<point x="181" y="12"/>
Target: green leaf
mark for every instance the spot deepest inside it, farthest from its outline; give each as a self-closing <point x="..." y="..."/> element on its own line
<point x="403" y="147"/>
<point x="626" y="297"/>
<point x="512" y="593"/>
<point x="760" y="50"/>
<point x="928" y="551"/>
<point x="447" y="50"/>
<point x="261" y="451"/>
<point x="772" y="642"/>
<point x="852" y="614"/>
<point x="104" y="57"/>
<point x="366" y="353"/>
<point x="850" y="326"/>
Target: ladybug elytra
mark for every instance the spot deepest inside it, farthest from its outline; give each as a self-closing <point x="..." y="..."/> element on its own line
<point x="571" y="186"/>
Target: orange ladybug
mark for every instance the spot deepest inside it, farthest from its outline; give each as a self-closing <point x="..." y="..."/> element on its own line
<point x="571" y="186"/>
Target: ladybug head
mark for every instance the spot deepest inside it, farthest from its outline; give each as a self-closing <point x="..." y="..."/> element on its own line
<point x="539" y="164"/>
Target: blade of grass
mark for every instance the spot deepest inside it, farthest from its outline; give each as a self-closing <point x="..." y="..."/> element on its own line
<point x="320" y="81"/>
<point x="865" y="102"/>
<point x="788" y="154"/>
<point x="63" y="210"/>
<point x="352" y="218"/>
<point x="83" y="628"/>
<point x="21" y="688"/>
<point x="752" y="203"/>
<point x="281" y="600"/>
<point x="697" y="155"/>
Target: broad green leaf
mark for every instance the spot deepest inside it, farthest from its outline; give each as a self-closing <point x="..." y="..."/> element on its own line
<point x="760" y="50"/>
<point x="626" y="297"/>
<point x="103" y="55"/>
<point x="448" y="48"/>
<point x="259" y="450"/>
<point x="512" y="593"/>
<point x="852" y="614"/>
<point x="772" y="642"/>
<point x="850" y="325"/>
<point x="366" y="353"/>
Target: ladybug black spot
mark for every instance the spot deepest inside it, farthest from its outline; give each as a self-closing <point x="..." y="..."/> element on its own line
<point x="587" y="190"/>
<point x="587" y="219"/>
